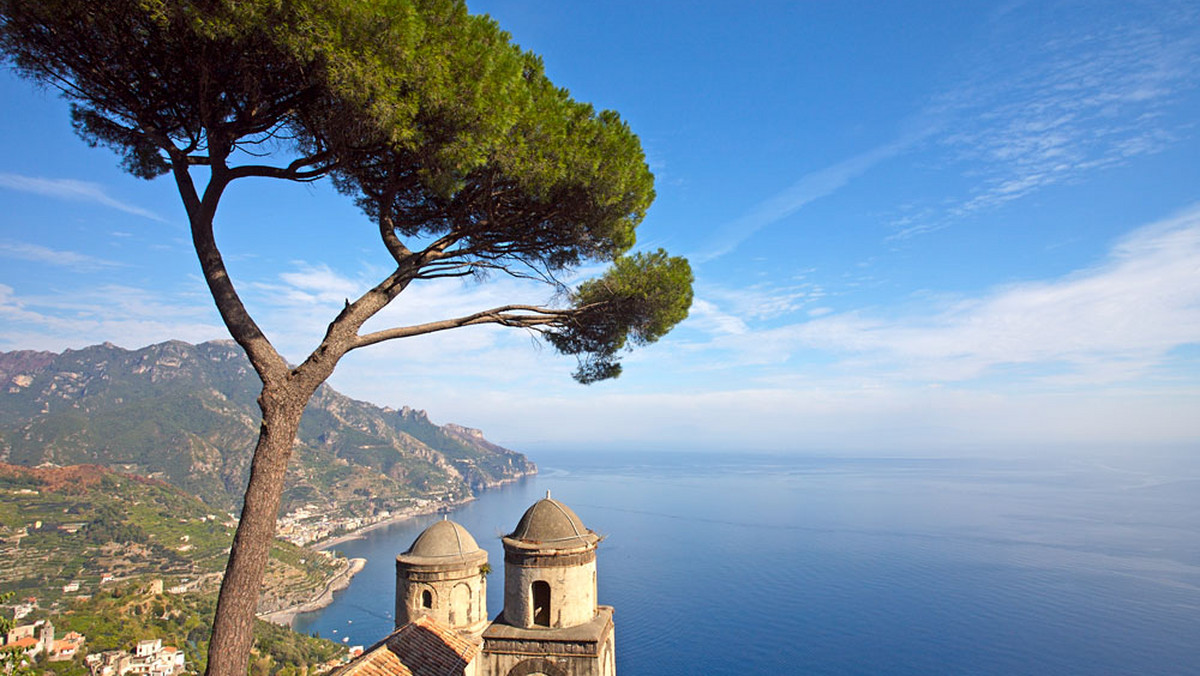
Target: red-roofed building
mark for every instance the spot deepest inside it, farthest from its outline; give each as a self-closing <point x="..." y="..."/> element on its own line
<point x="33" y="638"/>
<point x="422" y="647"/>
<point x="68" y="646"/>
<point x="29" y="644"/>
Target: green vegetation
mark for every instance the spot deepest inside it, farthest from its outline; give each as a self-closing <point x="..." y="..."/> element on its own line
<point x="638" y="300"/>
<point x="116" y="618"/>
<point x="85" y="523"/>
<point x="10" y="658"/>
<point x="465" y="156"/>
<point x="187" y="414"/>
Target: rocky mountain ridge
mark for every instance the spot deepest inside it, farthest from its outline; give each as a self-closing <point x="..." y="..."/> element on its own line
<point x="187" y="414"/>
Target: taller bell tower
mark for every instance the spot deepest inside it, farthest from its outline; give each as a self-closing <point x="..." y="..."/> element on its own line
<point x="551" y="623"/>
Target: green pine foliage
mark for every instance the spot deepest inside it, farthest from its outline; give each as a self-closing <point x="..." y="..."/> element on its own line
<point x="469" y="160"/>
<point x="636" y="302"/>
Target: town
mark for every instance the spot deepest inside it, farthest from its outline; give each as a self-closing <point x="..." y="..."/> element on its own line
<point x="310" y="523"/>
<point x="150" y="657"/>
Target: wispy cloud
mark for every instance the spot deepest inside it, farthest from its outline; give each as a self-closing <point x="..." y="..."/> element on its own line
<point x="41" y="254"/>
<point x="1087" y="93"/>
<point x="808" y="188"/>
<point x="1117" y="321"/>
<point x="765" y="300"/>
<point x="72" y="190"/>
<point x="129" y="316"/>
<point x="308" y="285"/>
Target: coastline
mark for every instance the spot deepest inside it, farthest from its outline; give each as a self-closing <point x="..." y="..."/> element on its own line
<point x="335" y="584"/>
<point x="432" y="508"/>
<point x="342" y="579"/>
<point x="358" y="533"/>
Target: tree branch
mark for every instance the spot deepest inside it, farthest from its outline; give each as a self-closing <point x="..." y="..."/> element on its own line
<point x="289" y="173"/>
<point x="387" y="232"/>
<point x="522" y="316"/>
<point x="242" y="327"/>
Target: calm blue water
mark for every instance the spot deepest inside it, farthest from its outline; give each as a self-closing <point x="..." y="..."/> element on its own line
<point x="798" y="565"/>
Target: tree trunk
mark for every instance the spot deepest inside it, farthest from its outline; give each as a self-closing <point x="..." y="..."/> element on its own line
<point x="233" y="623"/>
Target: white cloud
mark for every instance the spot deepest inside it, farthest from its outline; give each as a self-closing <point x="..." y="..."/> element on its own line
<point x="128" y="316"/>
<point x="765" y="300"/>
<point x="41" y="254"/>
<point x="310" y="285"/>
<point x="72" y="190"/>
<point x="1053" y="362"/>
<point x="707" y="317"/>
<point x="1087" y="93"/>
<point x="808" y="188"/>
<point x="1113" y="322"/>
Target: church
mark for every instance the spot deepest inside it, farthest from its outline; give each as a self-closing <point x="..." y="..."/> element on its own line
<point x="551" y="624"/>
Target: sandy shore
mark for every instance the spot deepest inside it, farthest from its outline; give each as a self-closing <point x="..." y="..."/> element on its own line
<point x="357" y="534"/>
<point x="431" y="508"/>
<point x="336" y="583"/>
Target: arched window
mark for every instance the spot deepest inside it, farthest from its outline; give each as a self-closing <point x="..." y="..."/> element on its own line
<point x="426" y="599"/>
<point x="460" y="604"/>
<point x="541" y="603"/>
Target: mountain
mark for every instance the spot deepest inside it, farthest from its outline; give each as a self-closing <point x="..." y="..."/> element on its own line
<point x="186" y="414"/>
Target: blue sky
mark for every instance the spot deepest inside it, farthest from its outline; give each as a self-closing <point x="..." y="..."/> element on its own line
<point x="915" y="229"/>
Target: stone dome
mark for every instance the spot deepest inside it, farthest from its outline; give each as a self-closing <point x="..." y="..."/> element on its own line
<point x="550" y="522"/>
<point x="443" y="539"/>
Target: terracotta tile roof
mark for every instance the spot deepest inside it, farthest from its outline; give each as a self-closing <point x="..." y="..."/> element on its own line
<point x="27" y="642"/>
<point x="422" y="647"/>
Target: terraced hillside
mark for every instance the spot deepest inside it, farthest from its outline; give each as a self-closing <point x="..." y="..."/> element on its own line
<point x="76" y="531"/>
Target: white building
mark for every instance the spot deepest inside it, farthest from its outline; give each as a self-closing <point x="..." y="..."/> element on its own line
<point x="149" y="658"/>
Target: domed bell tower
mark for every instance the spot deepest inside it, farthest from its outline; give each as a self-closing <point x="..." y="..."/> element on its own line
<point x="551" y="623"/>
<point x="443" y="576"/>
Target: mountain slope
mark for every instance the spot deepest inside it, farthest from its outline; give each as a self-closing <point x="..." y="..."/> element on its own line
<point x="187" y="414"/>
<point x="87" y="525"/>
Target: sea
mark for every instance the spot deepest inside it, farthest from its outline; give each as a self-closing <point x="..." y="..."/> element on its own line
<point x="800" y="564"/>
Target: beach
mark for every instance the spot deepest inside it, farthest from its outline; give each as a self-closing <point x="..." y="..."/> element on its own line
<point x="335" y="584"/>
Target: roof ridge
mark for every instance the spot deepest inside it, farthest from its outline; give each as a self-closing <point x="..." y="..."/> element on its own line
<point x="562" y="509"/>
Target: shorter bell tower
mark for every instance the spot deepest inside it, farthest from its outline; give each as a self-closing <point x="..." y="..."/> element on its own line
<point x="443" y="576"/>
